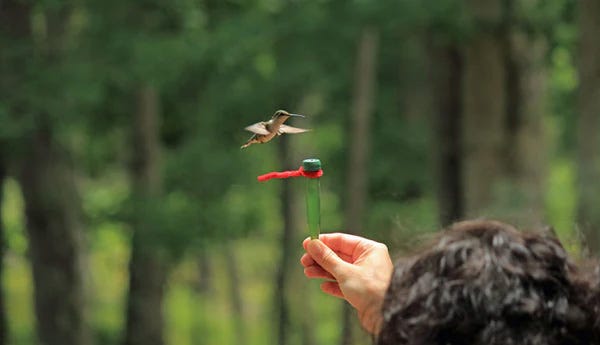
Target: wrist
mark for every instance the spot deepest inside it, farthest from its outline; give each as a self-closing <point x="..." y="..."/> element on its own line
<point x="371" y="319"/>
<point x="371" y="315"/>
<point x="376" y="287"/>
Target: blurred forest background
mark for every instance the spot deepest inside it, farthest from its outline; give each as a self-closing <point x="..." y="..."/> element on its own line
<point x="131" y="216"/>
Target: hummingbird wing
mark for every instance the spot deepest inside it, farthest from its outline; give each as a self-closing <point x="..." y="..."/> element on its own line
<point x="258" y="128"/>
<point x="291" y="130"/>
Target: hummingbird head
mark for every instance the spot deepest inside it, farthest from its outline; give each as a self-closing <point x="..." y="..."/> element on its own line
<point x="280" y="113"/>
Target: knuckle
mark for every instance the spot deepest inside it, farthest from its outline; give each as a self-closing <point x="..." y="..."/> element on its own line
<point x="381" y="246"/>
<point x="328" y="257"/>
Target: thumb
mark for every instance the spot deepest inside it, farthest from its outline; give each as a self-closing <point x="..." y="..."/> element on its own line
<point x="327" y="258"/>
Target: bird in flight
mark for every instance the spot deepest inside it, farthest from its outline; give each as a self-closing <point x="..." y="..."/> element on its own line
<point x="264" y="131"/>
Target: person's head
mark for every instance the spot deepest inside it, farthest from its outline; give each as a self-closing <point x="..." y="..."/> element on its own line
<point x="485" y="283"/>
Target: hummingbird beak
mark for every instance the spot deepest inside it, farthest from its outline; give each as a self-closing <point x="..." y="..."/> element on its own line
<point x="296" y="115"/>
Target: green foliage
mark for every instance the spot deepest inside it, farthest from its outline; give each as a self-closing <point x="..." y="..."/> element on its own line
<point x="561" y="203"/>
<point x="16" y="281"/>
<point x="218" y="66"/>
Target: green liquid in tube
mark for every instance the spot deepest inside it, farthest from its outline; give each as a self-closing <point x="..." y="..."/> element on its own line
<point x="313" y="198"/>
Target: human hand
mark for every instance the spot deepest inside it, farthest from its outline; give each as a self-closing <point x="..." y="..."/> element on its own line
<point x="357" y="269"/>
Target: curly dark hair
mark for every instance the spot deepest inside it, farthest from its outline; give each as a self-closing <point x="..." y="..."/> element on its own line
<point x="486" y="283"/>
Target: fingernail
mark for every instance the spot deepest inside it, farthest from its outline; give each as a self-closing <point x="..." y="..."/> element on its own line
<point x="305" y="242"/>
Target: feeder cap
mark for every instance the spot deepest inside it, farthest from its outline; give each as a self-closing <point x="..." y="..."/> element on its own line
<point x="311" y="164"/>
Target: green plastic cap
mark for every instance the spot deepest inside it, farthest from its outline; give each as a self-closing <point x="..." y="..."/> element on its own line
<point x="311" y="164"/>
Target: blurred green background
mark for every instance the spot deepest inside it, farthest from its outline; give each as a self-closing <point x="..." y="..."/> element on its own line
<point x="130" y="215"/>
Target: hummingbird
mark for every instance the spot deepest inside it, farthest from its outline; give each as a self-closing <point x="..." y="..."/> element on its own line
<point x="264" y="131"/>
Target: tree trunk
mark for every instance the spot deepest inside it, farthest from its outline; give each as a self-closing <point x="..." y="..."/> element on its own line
<point x="235" y="295"/>
<point x="357" y="185"/>
<point x="503" y="132"/>
<point x="292" y="296"/>
<point x="3" y="324"/>
<point x="204" y="284"/>
<point x="588" y="214"/>
<point x="307" y="321"/>
<point x="484" y="103"/>
<point x="286" y="247"/>
<point x="147" y="267"/>
<point x="52" y="205"/>
<point x="446" y="64"/>
<point x="525" y="138"/>
<point x="52" y="210"/>
<point x="302" y="322"/>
